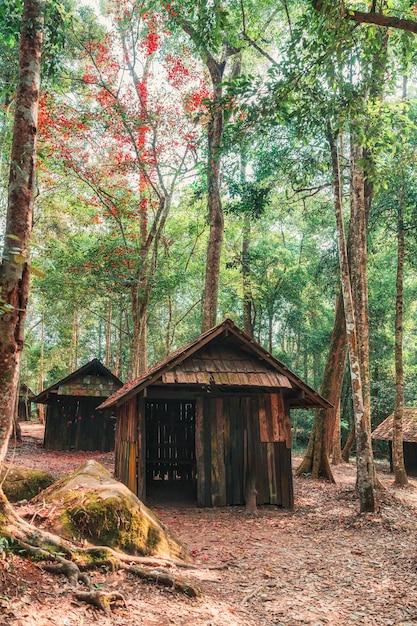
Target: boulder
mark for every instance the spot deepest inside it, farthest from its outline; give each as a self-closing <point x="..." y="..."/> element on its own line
<point x="23" y="483"/>
<point x="90" y="506"/>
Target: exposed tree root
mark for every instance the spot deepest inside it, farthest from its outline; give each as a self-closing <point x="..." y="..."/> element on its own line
<point x="166" y="580"/>
<point x="66" y="558"/>
<point x="100" y="599"/>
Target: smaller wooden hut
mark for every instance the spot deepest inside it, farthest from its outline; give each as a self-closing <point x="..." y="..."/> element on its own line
<point x="24" y="403"/>
<point x="384" y="433"/>
<point x="211" y="420"/>
<point x="72" y="421"/>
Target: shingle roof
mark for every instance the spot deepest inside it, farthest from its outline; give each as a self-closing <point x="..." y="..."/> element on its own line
<point x="93" y="366"/>
<point x="221" y="366"/>
<point x="384" y="430"/>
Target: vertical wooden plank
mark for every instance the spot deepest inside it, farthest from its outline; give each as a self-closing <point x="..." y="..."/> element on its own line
<point x="207" y="417"/>
<point x="227" y="450"/>
<point x="272" y="481"/>
<point x="220" y="451"/>
<point x="235" y="453"/>
<point x="263" y="431"/>
<point x="275" y="418"/>
<point x="286" y="423"/>
<point x="141" y="445"/>
<point x="199" y="450"/>
<point x="285" y="469"/>
<point x="214" y="456"/>
<point x="259" y="451"/>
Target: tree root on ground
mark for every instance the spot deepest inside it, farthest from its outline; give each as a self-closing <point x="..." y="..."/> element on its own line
<point x="100" y="599"/>
<point x="66" y="558"/>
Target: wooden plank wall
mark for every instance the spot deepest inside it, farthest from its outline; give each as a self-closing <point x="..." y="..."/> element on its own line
<point x="236" y="436"/>
<point x="74" y="424"/>
<point x="126" y="445"/>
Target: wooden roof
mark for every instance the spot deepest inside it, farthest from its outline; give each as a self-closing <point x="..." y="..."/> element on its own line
<point x="93" y="367"/>
<point x="224" y="356"/>
<point x="384" y="430"/>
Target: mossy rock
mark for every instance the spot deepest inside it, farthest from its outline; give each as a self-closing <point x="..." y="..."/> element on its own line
<point x="23" y="483"/>
<point x="90" y="505"/>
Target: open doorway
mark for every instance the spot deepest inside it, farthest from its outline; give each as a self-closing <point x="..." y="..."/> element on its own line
<point x="170" y="450"/>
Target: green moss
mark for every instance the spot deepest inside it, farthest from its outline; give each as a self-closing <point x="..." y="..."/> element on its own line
<point x="21" y="483"/>
<point x="113" y="522"/>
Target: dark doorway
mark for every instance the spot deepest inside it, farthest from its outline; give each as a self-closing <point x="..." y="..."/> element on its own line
<point x="170" y="449"/>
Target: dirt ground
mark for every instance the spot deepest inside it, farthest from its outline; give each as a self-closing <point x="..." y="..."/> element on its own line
<point x="319" y="564"/>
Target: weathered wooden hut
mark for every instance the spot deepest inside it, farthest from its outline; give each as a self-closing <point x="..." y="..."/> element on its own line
<point x="24" y="403"/>
<point x="72" y="421"/>
<point x="384" y="433"/>
<point x="215" y="415"/>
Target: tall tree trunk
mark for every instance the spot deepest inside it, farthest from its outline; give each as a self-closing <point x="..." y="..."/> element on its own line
<point x="364" y="459"/>
<point x="73" y="364"/>
<point x="359" y="272"/>
<point x="397" y="426"/>
<point x="316" y="460"/>
<point x="108" y="335"/>
<point x="337" y="449"/>
<point x="215" y="209"/>
<point x="41" y="366"/>
<point x="14" y="269"/>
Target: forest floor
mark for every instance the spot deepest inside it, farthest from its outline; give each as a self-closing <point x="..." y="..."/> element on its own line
<point x="320" y="564"/>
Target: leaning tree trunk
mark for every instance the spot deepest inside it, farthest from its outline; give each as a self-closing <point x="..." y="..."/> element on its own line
<point x="14" y="269"/>
<point x="364" y="460"/>
<point x="397" y="426"/>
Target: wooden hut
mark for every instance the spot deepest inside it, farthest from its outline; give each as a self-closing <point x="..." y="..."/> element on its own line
<point x="213" y="416"/>
<point x="384" y="432"/>
<point x="25" y="400"/>
<point x="72" y="421"/>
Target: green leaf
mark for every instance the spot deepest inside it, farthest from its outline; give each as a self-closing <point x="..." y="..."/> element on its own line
<point x="19" y="258"/>
<point x="37" y="272"/>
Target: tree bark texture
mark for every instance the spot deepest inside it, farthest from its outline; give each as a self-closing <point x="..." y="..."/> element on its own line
<point x="364" y="460"/>
<point x="316" y="460"/>
<point x="397" y="426"/>
<point x="14" y="270"/>
<point x="215" y="209"/>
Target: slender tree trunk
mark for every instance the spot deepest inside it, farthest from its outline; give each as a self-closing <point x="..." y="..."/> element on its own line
<point x="108" y="335"/>
<point x="73" y="364"/>
<point x="215" y="209"/>
<point x="119" y="358"/>
<point x="14" y="270"/>
<point x="364" y="460"/>
<point x="337" y="449"/>
<point x="41" y="366"/>
<point x="397" y="427"/>
<point x="348" y="445"/>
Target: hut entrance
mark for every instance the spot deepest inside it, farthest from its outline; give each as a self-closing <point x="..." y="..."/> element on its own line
<point x="170" y="449"/>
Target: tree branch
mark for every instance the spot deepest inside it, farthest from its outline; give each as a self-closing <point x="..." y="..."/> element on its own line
<point x="371" y="17"/>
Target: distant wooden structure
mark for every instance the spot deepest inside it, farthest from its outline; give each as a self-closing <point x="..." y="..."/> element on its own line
<point x="25" y="400"/>
<point x="72" y="421"/>
<point x="213" y="416"/>
<point x="384" y="433"/>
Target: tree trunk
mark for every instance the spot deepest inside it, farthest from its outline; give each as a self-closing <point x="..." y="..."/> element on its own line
<point x="14" y="269"/>
<point x="215" y="209"/>
<point x="337" y="449"/>
<point x="108" y="335"/>
<point x="348" y="445"/>
<point x="41" y="407"/>
<point x="364" y="460"/>
<point x="397" y="426"/>
<point x="316" y="460"/>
